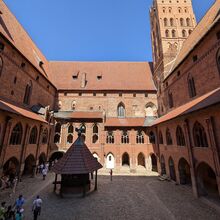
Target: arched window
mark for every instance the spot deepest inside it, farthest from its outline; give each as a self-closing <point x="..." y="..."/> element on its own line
<point x="70" y="139"/>
<point x="165" y="21"/>
<point x="170" y="9"/>
<point x="168" y="137"/>
<point x="16" y="135"/>
<point x="57" y="138"/>
<point x="218" y="59"/>
<point x="27" y="95"/>
<point x="181" y="22"/>
<point x="188" y="22"/>
<point x="150" y="109"/>
<point x="83" y="126"/>
<point x="171" y="22"/>
<point x="167" y="33"/>
<point x="121" y="110"/>
<point x="186" y="10"/>
<point x="199" y="135"/>
<point x="180" y="10"/>
<point x="110" y="137"/>
<point x="183" y="33"/>
<point x="33" y="136"/>
<point x="164" y="10"/>
<point x="58" y="128"/>
<point x="180" y="139"/>
<point x="173" y="33"/>
<point x="140" y="137"/>
<point x="152" y="138"/>
<point x="70" y="129"/>
<point x="191" y="86"/>
<point x="1" y="65"/>
<point x="190" y="31"/>
<point x="125" y="137"/>
<point x="170" y="99"/>
<point x="160" y="137"/>
<point x="95" y="135"/>
<point x="44" y="136"/>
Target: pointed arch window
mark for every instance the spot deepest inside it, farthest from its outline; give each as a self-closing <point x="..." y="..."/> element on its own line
<point x="184" y="33"/>
<point x="199" y="135"/>
<point x="95" y="136"/>
<point x="27" y="95"/>
<point x="33" y="136"/>
<point x="165" y="21"/>
<point x="173" y="33"/>
<point x="140" y="137"/>
<point x="169" y="137"/>
<point x="152" y="137"/>
<point x="70" y="129"/>
<point x="171" y="22"/>
<point x="70" y="139"/>
<point x="121" y="110"/>
<point x="57" y="133"/>
<point x="191" y="86"/>
<point x="182" y="22"/>
<point x="44" y="136"/>
<point x="1" y="65"/>
<point x="167" y="33"/>
<point x="125" y="137"/>
<point x="188" y="23"/>
<point x="160" y="137"/>
<point x="57" y="138"/>
<point x="110" y="137"/>
<point x="180" y="139"/>
<point x="16" y="135"/>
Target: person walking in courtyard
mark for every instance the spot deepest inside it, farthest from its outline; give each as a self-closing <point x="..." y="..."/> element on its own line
<point x="44" y="173"/>
<point x="19" y="203"/>
<point x="37" y="207"/>
<point x="111" y="172"/>
<point x="10" y="214"/>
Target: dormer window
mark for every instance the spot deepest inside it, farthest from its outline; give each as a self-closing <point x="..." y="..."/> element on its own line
<point x="99" y="77"/>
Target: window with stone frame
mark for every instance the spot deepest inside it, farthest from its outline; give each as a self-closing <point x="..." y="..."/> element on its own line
<point x="140" y="137"/>
<point x="16" y="135"/>
<point x="44" y="136"/>
<point x="121" y="110"/>
<point x="218" y="60"/>
<point x="191" y="86"/>
<point x="33" y="136"/>
<point x="180" y="139"/>
<point x="1" y="65"/>
<point x="57" y="133"/>
<point x="169" y="137"/>
<point x="110" y="137"/>
<point x="199" y="135"/>
<point x="160" y="137"/>
<point x="95" y="134"/>
<point x="27" y="95"/>
<point x="125" y="137"/>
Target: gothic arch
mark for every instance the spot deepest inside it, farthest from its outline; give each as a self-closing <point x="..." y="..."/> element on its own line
<point x="150" y="109"/>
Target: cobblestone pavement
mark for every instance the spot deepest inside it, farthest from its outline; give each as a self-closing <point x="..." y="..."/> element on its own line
<point x="126" y="197"/>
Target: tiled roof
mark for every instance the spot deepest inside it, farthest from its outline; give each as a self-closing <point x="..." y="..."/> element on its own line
<point x="5" y="106"/>
<point x="78" y="114"/>
<point x="77" y="160"/>
<point x="15" y="33"/>
<point x="211" y="17"/>
<point x="102" y="75"/>
<point x="124" y="122"/>
<point x="201" y="102"/>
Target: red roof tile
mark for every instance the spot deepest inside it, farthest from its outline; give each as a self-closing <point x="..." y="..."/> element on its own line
<point x="114" y="75"/>
<point x="77" y="160"/>
<point x="5" y="106"/>
<point x="124" y="122"/>
<point x="201" y="102"/>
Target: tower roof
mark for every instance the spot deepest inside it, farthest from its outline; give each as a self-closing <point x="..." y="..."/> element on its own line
<point x="77" y="160"/>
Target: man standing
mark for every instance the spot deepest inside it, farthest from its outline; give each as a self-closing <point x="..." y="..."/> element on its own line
<point x="44" y="172"/>
<point x="37" y="207"/>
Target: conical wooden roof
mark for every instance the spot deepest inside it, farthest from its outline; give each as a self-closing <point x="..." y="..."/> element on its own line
<point x="77" y="160"/>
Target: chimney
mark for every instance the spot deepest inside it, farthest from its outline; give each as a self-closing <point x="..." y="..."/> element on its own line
<point x="83" y="80"/>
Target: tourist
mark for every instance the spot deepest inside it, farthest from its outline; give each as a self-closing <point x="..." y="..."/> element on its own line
<point x="44" y="172"/>
<point x="2" y="211"/>
<point x="41" y="168"/>
<point x="9" y="215"/>
<point x="19" y="203"/>
<point x="19" y="215"/>
<point x="37" y="207"/>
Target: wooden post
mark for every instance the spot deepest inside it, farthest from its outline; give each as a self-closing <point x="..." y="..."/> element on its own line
<point x="95" y="181"/>
<point x="55" y="184"/>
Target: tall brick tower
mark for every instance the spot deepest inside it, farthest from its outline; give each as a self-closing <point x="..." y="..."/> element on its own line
<point x="172" y="21"/>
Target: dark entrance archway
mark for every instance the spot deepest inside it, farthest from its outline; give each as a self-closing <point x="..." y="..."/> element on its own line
<point x="206" y="178"/>
<point x="172" y="169"/>
<point x="184" y="172"/>
<point x="141" y="159"/>
<point x="154" y="162"/>
<point x="11" y="166"/>
<point x="125" y="159"/>
<point x="56" y="156"/>
<point x="163" y="165"/>
<point x="42" y="158"/>
<point x="29" y="165"/>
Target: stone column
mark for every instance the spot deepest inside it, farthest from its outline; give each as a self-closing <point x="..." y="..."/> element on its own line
<point x="191" y="158"/>
<point x="214" y="148"/>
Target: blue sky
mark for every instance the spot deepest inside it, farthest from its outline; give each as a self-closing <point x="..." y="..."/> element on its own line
<point x="91" y="30"/>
